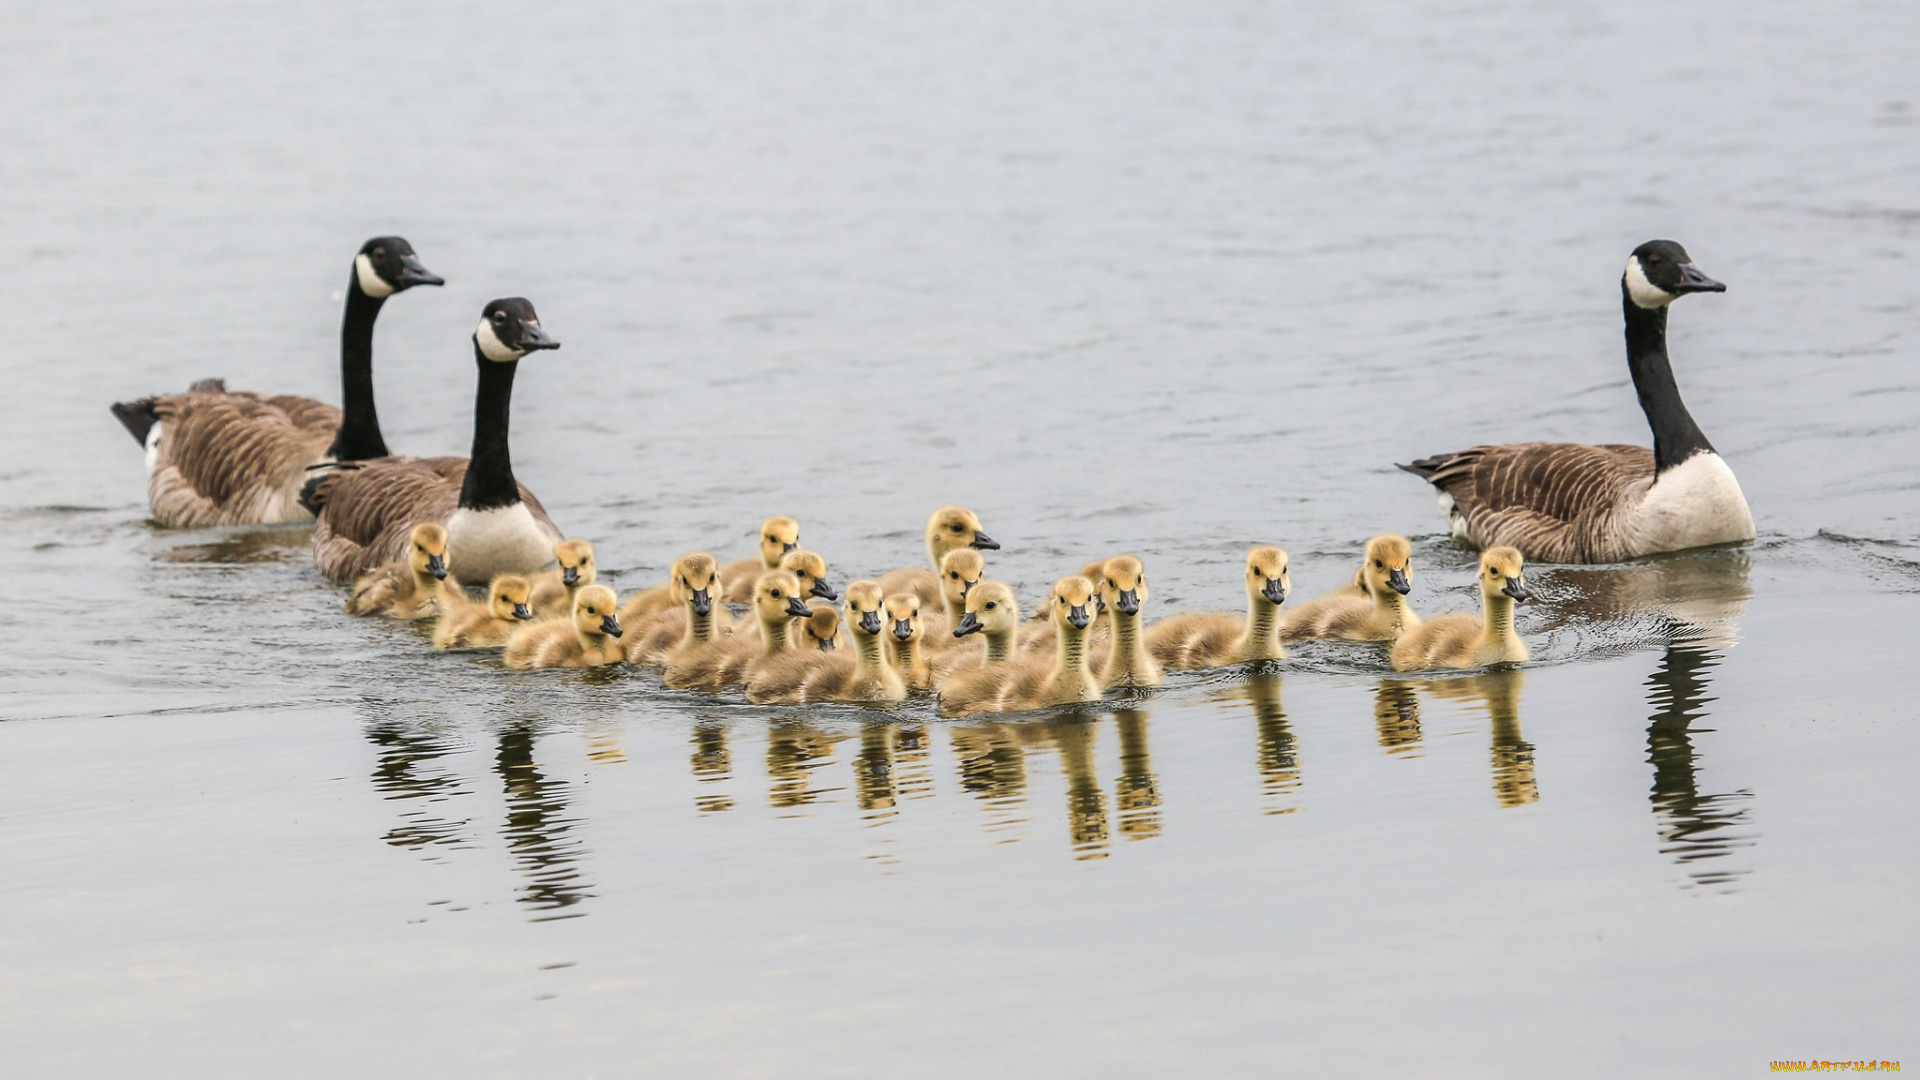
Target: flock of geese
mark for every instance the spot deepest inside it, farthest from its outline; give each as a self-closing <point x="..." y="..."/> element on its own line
<point x="412" y="534"/>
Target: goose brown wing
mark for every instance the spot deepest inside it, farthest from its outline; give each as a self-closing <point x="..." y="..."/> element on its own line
<point x="367" y="510"/>
<point x="1553" y="501"/>
<point x="225" y="456"/>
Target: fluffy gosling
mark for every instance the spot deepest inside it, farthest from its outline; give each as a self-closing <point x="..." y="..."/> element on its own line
<point x="415" y="589"/>
<point x="731" y="661"/>
<point x="1125" y="662"/>
<point x="949" y="529"/>
<point x="1209" y="640"/>
<point x="489" y="625"/>
<point x="1373" y="608"/>
<point x="858" y="675"/>
<point x="697" y="617"/>
<point x="1033" y="682"/>
<point x="778" y="535"/>
<point x="1461" y="640"/>
<point x="589" y="638"/>
<point x="554" y="590"/>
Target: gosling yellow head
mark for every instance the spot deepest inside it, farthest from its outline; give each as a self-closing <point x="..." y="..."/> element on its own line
<point x="1389" y="565"/>
<point x="960" y="570"/>
<point x="818" y="630"/>
<point x="508" y="597"/>
<point x="953" y="527"/>
<point x="597" y="611"/>
<point x="427" y="554"/>
<point x="1502" y="571"/>
<point x="991" y="610"/>
<point x="865" y="604"/>
<point x="778" y="535"/>
<point x="576" y="563"/>
<point x="1123" y="584"/>
<point x="695" y="581"/>
<point x="1072" y="603"/>
<point x="1267" y="574"/>
<point x="811" y="569"/>
<point x="777" y="596"/>
<point x="902" y="612"/>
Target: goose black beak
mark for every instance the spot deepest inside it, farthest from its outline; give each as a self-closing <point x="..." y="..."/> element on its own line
<point x="968" y="625"/>
<point x="522" y="612"/>
<point x="437" y="566"/>
<point x="569" y="575"/>
<point x="412" y="273"/>
<point x="984" y="542"/>
<point x="1077" y="615"/>
<point x="1274" y="591"/>
<point x="1128" y="602"/>
<point x="1517" y="589"/>
<point x="870" y="622"/>
<point x="1397" y="580"/>
<point x="532" y="337"/>
<point x="798" y="608"/>
<point x="610" y="624"/>
<point x="1692" y="280"/>
<point x="823" y="590"/>
<point x="903" y="628"/>
<point x="702" y="602"/>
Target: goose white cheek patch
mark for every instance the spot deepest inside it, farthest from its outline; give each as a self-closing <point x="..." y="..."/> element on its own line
<point x="491" y="346"/>
<point x="370" y="283"/>
<point x="1645" y="293"/>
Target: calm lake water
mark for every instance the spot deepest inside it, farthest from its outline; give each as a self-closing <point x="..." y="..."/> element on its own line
<point x="1165" y="278"/>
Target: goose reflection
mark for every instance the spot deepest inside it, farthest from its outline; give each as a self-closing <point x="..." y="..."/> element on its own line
<point x="1136" y="794"/>
<point x="993" y="768"/>
<point x="1695" y="596"/>
<point x="402" y="771"/>
<point x="795" y="750"/>
<point x="873" y="772"/>
<point x="1087" y="826"/>
<point x="538" y="828"/>
<point x="1277" y="757"/>
<point x="1396" y="716"/>
<point x="1694" y="828"/>
<point x="712" y="764"/>
<point x="1498" y="692"/>
<point x="914" y="765"/>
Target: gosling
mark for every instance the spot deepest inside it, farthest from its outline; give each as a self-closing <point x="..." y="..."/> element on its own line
<point x="811" y="569"/>
<point x="489" y="625"/>
<point x="697" y="617"/>
<point x="1373" y="608"/>
<point x="803" y="677"/>
<point x="960" y="570"/>
<point x="1125" y="662"/>
<point x="950" y="528"/>
<point x="554" y="590"/>
<point x="1210" y="640"/>
<point x="416" y="589"/>
<point x="1030" y="682"/>
<point x="1461" y="640"/>
<point x="905" y="633"/>
<point x="731" y="661"/>
<point x="992" y="613"/>
<point x="778" y="535"/>
<point x="590" y="638"/>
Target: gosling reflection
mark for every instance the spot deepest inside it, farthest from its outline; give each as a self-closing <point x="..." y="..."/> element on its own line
<point x="795" y="751"/>
<point x="1396" y="716"/>
<point x="1086" y="804"/>
<point x="712" y="764"/>
<point x="1694" y="828"/>
<point x="1277" y="756"/>
<point x="1498" y="692"/>
<point x="401" y="771"/>
<point x="873" y="779"/>
<point x="993" y="768"/>
<point x="1136" y="794"/>
<point x="538" y="829"/>
<point x="914" y="762"/>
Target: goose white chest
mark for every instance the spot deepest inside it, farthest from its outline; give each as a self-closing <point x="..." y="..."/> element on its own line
<point x="482" y="544"/>
<point x="1694" y="504"/>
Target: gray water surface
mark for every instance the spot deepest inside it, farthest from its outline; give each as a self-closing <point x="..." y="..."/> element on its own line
<point x="1165" y="278"/>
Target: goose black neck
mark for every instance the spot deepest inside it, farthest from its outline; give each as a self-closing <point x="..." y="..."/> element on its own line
<point x="489" y="484"/>
<point x="1675" y="436"/>
<point x="359" y="436"/>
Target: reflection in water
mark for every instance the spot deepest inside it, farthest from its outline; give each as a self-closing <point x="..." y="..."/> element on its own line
<point x="400" y="773"/>
<point x="538" y="828"/>
<point x="1137" y="793"/>
<point x="286" y="544"/>
<point x="1278" y="758"/>
<point x="1086" y="803"/>
<point x="711" y="764"/>
<point x="1396" y="716"/>
<point x="914" y="764"/>
<point x="873" y="782"/>
<point x="795" y="749"/>
<point x="1695" y="596"/>
<point x="1694" y="828"/>
<point x="993" y="768"/>
<point x="1499" y="693"/>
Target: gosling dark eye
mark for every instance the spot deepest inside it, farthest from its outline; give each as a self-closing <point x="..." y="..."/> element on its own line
<point x="959" y="528"/>
<point x="991" y="605"/>
<point x="776" y="594"/>
<point x="1378" y="565"/>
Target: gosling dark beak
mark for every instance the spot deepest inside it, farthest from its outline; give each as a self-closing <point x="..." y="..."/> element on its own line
<point x="1077" y="615"/>
<point x="522" y="611"/>
<point x="437" y="566"/>
<point x="968" y="625"/>
<point x="702" y="602"/>
<point x="966" y="587"/>
<point x="532" y="338"/>
<point x="569" y="575"/>
<point x="1129" y="602"/>
<point x="1099" y="604"/>
<point x="1397" y="580"/>
<point x="1517" y="589"/>
<point x="1274" y="591"/>
<point x="784" y="548"/>
<point x="413" y="273"/>
<point x="610" y="624"/>
<point x="827" y="645"/>
<point x="870" y="622"/>
<point x="1692" y="280"/>
<point x="823" y="590"/>
<point x="903" y="628"/>
<point x="984" y="542"/>
<point x="798" y="608"/>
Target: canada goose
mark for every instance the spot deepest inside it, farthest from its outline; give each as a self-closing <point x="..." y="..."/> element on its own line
<point x="811" y="569"/>
<point x="960" y="570"/>
<point x="1032" y="682"/>
<point x="221" y="457"/>
<point x="905" y="631"/>
<point x="1373" y="608"/>
<point x="1195" y="641"/>
<point x="1126" y="661"/>
<point x="860" y="674"/>
<point x="694" y="585"/>
<point x="413" y="589"/>
<point x="1461" y="640"/>
<point x="554" y="590"/>
<point x="587" y="638"/>
<point x="729" y="661"/>
<point x="494" y="525"/>
<point x="778" y="535"/>
<point x="949" y="528"/>
<point x="489" y="625"/>
<point x="1572" y="503"/>
<point x="993" y="614"/>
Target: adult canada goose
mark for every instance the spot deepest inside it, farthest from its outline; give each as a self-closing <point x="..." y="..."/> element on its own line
<point x="904" y="634"/>
<point x="416" y="587"/>
<point x="1461" y="640"/>
<point x="950" y="528"/>
<point x="1373" y="608"/>
<point x="486" y="626"/>
<point x="730" y="661"/>
<point x="1194" y="641"/>
<point x="694" y="584"/>
<point x="1032" y="682"/>
<point x="494" y="525"/>
<point x="778" y="535"/>
<point x="992" y="614"/>
<point x="589" y="637"/>
<point x="554" y="590"/>
<point x="1125" y="661"/>
<point x="1571" y="503"/>
<point x="233" y="457"/>
<point x="857" y="675"/>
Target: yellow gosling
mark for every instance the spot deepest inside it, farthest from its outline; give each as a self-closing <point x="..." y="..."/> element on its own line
<point x="554" y="590"/>
<point x="697" y="617"/>
<point x="415" y="589"/>
<point x="1125" y="662"/>
<point x="1032" y="682"/>
<point x="1038" y="637"/>
<point x="949" y="529"/>
<point x="960" y="570"/>
<point x="1210" y="640"/>
<point x="858" y="675"/>
<point x="1461" y="640"/>
<point x="993" y="614"/>
<point x="905" y="633"/>
<point x="589" y="638"/>
<point x="488" y="626"/>
<point x="1373" y="608"/>
<point x="731" y="661"/>
<point x="820" y="631"/>
<point x="778" y="535"/>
